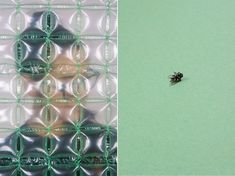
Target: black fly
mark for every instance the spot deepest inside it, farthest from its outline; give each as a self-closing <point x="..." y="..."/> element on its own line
<point x="176" y="77"/>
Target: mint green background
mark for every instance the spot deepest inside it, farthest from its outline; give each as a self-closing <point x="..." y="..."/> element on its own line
<point x="189" y="128"/>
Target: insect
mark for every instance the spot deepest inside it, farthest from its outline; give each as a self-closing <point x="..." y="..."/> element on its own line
<point x="176" y="77"/>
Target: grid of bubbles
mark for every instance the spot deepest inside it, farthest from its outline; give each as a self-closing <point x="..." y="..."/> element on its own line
<point x="58" y="87"/>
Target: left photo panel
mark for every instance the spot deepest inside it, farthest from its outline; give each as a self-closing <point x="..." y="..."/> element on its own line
<point x="58" y="87"/>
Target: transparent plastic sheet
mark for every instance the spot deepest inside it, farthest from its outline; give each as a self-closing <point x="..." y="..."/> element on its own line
<point x="58" y="87"/>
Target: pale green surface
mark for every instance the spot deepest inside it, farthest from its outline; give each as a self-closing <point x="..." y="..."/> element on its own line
<point x="188" y="128"/>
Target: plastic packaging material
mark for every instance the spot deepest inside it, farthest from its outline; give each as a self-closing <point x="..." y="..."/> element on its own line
<point x="58" y="87"/>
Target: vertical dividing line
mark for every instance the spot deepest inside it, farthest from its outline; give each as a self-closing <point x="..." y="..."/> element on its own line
<point x="19" y="55"/>
<point x="18" y="115"/>
<point x="49" y="5"/>
<point x="17" y="17"/>
<point x="107" y="83"/>
<point x="48" y="24"/>
<point x="19" y="52"/>
<point x="79" y="19"/>
<point x="48" y="106"/>
<point x="18" y="151"/>
<point x="48" y="53"/>
<point x="18" y="143"/>
<point x="108" y="173"/>
<point x="79" y="140"/>
<point x="48" y="144"/>
<point x="78" y="143"/>
<point x="106" y="58"/>
<point x="49" y="173"/>
<point x="18" y="173"/>
<point x="78" y="103"/>
<point x="47" y="114"/>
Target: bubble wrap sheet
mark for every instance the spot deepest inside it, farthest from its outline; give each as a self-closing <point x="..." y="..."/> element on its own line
<point x="58" y="87"/>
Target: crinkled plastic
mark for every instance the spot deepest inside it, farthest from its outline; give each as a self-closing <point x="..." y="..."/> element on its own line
<point x="58" y="87"/>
